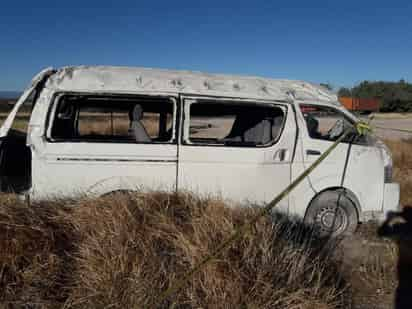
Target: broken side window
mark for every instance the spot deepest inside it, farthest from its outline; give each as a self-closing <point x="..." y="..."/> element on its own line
<point x="325" y="123"/>
<point x="235" y="124"/>
<point x="113" y="119"/>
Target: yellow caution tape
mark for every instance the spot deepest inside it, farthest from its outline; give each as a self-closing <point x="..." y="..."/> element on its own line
<point x="363" y="128"/>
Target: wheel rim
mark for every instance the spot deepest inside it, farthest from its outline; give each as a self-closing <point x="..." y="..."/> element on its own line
<point x="331" y="219"/>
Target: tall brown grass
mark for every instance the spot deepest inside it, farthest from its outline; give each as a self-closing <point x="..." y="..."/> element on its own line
<point x="402" y="172"/>
<point x="122" y="251"/>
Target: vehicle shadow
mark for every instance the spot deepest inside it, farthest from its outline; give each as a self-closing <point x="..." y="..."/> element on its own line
<point x="398" y="226"/>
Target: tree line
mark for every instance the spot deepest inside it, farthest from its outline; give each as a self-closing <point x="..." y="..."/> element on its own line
<point x="393" y="96"/>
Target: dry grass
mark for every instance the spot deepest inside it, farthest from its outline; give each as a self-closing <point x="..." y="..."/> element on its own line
<point x="33" y="263"/>
<point x="123" y="251"/>
<point x="402" y="158"/>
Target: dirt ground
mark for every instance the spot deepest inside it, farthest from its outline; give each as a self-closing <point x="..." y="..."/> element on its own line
<point x="377" y="263"/>
<point x="396" y="123"/>
<point x="369" y="266"/>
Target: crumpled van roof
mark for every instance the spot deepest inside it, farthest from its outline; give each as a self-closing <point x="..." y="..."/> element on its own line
<point x="135" y="79"/>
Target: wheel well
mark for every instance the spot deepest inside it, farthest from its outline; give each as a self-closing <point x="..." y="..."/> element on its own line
<point x="115" y="192"/>
<point x="349" y="194"/>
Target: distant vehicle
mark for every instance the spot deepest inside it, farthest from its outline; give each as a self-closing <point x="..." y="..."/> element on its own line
<point x="98" y="130"/>
<point x="360" y="105"/>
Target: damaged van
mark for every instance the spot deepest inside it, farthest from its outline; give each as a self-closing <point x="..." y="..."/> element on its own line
<point x="98" y="130"/>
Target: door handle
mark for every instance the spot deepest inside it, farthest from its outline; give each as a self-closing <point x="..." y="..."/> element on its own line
<point x="311" y="152"/>
<point x="281" y="155"/>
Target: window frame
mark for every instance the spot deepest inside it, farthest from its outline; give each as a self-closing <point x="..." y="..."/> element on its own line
<point x="346" y="117"/>
<point x="188" y="101"/>
<point x="51" y="114"/>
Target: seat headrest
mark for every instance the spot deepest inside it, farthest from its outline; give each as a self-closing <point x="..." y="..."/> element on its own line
<point x="136" y="113"/>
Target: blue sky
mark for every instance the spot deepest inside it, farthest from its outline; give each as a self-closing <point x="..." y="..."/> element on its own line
<point x="341" y="42"/>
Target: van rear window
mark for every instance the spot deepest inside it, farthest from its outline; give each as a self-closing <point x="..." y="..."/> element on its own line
<point x="113" y="119"/>
<point x="234" y="124"/>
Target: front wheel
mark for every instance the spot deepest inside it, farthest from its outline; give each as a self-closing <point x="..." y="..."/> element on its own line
<point x="332" y="214"/>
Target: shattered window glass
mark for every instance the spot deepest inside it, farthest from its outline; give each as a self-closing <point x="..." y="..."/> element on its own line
<point x="326" y="123"/>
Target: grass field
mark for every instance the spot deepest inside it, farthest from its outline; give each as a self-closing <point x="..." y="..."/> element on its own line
<point x="123" y="251"/>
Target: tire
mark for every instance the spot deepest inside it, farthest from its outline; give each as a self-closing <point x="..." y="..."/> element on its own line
<point x="332" y="214"/>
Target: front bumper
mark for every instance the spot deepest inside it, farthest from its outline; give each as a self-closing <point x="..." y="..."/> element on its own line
<point x="391" y="196"/>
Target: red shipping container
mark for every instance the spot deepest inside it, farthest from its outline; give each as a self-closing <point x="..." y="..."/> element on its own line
<point x="360" y="104"/>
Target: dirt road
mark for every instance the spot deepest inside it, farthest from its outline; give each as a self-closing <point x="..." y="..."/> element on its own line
<point x="397" y="123"/>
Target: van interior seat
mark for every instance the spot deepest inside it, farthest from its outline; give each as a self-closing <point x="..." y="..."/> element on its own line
<point x="313" y="126"/>
<point x="137" y="130"/>
<point x="255" y="128"/>
<point x="277" y="126"/>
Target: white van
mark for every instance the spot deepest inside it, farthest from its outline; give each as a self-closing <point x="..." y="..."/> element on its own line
<point x="98" y="130"/>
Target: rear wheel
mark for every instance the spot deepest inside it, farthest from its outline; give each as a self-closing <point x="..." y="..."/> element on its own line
<point x="333" y="214"/>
